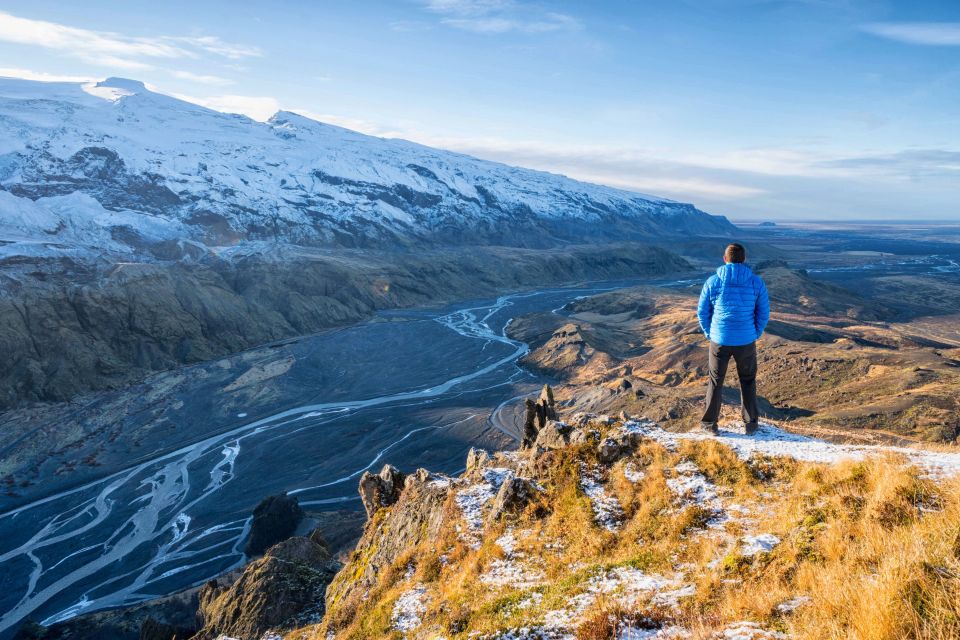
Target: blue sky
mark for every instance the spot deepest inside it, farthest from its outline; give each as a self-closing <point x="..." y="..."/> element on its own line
<point x="755" y="109"/>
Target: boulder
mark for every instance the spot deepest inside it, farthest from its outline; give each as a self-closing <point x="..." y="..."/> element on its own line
<point x="513" y="496"/>
<point x="554" y="435"/>
<point x="274" y="519"/>
<point x="381" y="490"/>
<point x="609" y="450"/>
<point x="583" y="436"/>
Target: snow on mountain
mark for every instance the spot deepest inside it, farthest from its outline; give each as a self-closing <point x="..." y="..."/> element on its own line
<point x="115" y="166"/>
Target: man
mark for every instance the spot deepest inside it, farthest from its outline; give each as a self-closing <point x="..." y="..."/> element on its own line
<point x="733" y="312"/>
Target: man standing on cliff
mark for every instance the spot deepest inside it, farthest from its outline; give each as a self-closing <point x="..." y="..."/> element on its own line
<point x="733" y="312"/>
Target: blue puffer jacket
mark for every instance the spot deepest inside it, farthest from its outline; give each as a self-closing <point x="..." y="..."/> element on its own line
<point x="734" y="307"/>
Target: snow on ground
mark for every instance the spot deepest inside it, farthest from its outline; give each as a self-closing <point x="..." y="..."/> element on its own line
<point x="606" y="508"/>
<point x="409" y="609"/>
<point x="771" y="441"/>
<point x="623" y="585"/>
<point x="793" y="603"/>
<point x="473" y="501"/>
<point x="511" y="571"/>
<point x="763" y="543"/>
<point x="667" y="633"/>
<point x="748" y="631"/>
<point x="632" y="473"/>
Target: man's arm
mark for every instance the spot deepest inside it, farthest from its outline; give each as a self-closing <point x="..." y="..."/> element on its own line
<point x="705" y="308"/>
<point x="761" y="313"/>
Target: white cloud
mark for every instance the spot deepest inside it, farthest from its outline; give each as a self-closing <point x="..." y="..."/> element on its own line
<point x="112" y="49"/>
<point x="41" y="76"/>
<point x="216" y="81"/>
<point x="256" y="107"/>
<point x="500" y="16"/>
<point x="926" y="33"/>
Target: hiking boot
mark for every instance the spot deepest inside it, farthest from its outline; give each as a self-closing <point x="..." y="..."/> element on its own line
<point x="710" y="427"/>
<point x="750" y="428"/>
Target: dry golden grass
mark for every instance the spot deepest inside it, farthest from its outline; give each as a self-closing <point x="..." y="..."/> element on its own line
<point x="874" y="547"/>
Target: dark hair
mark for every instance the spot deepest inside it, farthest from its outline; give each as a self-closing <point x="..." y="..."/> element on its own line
<point x="735" y="253"/>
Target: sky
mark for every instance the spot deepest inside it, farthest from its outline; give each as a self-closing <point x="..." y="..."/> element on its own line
<point x="753" y="109"/>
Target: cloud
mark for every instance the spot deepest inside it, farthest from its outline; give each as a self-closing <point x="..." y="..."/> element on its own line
<point x="113" y="49"/>
<point x="256" y="107"/>
<point x="500" y="16"/>
<point x="216" y="81"/>
<point x="41" y="76"/>
<point x="925" y="33"/>
<point x="910" y="164"/>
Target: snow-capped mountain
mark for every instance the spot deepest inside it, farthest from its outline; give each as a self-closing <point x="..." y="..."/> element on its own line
<point x="115" y="166"/>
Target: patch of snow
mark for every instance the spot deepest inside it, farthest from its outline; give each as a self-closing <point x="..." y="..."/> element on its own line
<point x="632" y="473"/>
<point x="794" y="603"/>
<point x="409" y="609"/>
<point x="762" y="543"/>
<point x="771" y="441"/>
<point x="511" y="571"/>
<point x="606" y="509"/>
<point x="666" y="633"/>
<point x="748" y="631"/>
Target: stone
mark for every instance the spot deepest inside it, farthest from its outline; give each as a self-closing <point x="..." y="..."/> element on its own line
<point x="608" y="450"/>
<point x="582" y="436"/>
<point x="380" y="490"/>
<point x="513" y="496"/>
<point x="274" y="519"/>
<point x="554" y="435"/>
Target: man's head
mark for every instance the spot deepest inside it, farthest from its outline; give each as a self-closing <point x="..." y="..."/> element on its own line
<point x="735" y="253"/>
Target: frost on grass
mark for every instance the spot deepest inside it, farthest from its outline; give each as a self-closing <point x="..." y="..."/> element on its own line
<point x="632" y="473"/>
<point x="606" y="509"/>
<point x="409" y="609"/>
<point x="693" y="488"/>
<point x="794" y="603"/>
<point x="762" y="543"/>
<point x="511" y="571"/>
<point x="622" y="585"/>
<point x="771" y="441"/>
<point x="748" y="631"/>
<point x="638" y="633"/>
<point x="473" y="501"/>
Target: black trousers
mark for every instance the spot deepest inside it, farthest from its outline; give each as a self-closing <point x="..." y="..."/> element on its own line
<point x="746" y="359"/>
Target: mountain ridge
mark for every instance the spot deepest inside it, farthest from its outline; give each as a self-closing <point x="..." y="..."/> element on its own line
<point x="162" y="168"/>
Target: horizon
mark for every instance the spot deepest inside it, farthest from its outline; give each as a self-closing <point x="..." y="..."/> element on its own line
<point x="817" y="112"/>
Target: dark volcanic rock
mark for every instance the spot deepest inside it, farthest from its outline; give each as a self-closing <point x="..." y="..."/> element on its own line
<point x="283" y="589"/>
<point x="274" y="519"/>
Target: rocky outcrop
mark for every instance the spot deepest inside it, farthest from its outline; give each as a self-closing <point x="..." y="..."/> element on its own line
<point x="274" y="519"/>
<point x="283" y="589"/>
<point x="381" y="490"/>
<point x="416" y="515"/>
<point x="537" y="414"/>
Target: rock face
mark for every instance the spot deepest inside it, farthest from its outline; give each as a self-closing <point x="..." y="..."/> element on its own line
<point x="274" y="519"/>
<point x="381" y="490"/>
<point x="283" y="589"/>
<point x="538" y="413"/>
<point x="416" y="515"/>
